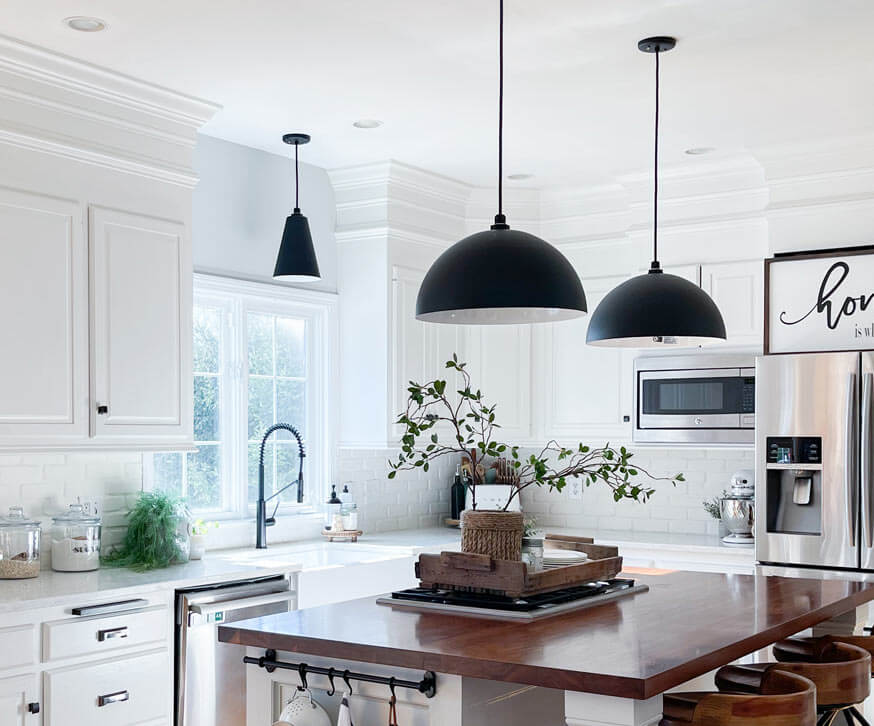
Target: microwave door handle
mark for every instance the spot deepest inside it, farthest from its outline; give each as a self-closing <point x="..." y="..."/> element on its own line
<point x="850" y="481"/>
<point x="867" y="459"/>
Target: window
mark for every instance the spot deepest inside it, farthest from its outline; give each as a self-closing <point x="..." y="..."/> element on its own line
<point x="262" y="355"/>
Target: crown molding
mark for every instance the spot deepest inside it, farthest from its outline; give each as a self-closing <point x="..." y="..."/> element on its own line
<point x="68" y="108"/>
<point x="70" y="74"/>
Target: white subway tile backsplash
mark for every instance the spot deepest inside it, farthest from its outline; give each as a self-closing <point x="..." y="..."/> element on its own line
<point x="45" y="484"/>
<point x="411" y="500"/>
<point x="671" y="509"/>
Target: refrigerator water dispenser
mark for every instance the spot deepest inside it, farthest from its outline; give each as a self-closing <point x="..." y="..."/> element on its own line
<point x="794" y="485"/>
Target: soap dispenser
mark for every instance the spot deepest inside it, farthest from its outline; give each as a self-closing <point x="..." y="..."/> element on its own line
<point x="333" y="513"/>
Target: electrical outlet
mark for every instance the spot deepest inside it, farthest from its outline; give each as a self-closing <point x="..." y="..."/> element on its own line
<point x="575" y="488"/>
<point x="92" y="507"/>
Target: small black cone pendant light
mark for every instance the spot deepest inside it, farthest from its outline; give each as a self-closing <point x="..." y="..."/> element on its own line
<point x="500" y="275"/>
<point x="656" y="309"/>
<point x="296" y="261"/>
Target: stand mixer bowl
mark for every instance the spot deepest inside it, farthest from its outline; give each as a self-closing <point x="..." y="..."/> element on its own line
<point x="738" y="516"/>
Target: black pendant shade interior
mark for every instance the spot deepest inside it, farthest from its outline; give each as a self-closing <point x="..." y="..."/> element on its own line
<point x="656" y="309"/>
<point x="296" y="261"/>
<point x="500" y="275"/>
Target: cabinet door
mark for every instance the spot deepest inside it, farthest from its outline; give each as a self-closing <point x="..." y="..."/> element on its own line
<point x="585" y="389"/>
<point x="419" y="350"/>
<point x="737" y="288"/>
<point x="499" y="358"/>
<point x="19" y="702"/>
<point x="44" y="318"/>
<point x="141" y="286"/>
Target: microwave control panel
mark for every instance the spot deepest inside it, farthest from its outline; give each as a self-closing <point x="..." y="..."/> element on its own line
<point x="794" y="449"/>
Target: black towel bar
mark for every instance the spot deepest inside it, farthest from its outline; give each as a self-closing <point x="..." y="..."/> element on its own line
<point x="427" y="686"/>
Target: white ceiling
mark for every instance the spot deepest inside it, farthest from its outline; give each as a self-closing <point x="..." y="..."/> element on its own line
<point x="579" y="95"/>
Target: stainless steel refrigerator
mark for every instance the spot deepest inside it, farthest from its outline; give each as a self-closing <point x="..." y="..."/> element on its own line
<point x="814" y="460"/>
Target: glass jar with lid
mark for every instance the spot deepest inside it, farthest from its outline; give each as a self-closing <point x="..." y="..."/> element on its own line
<point x="75" y="541"/>
<point x="19" y="545"/>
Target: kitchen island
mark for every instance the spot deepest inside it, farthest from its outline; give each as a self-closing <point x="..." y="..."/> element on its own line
<point x="612" y="661"/>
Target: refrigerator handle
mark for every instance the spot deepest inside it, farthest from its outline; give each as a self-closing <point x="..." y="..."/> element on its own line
<point x="867" y="498"/>
<point x="850" y="482"/>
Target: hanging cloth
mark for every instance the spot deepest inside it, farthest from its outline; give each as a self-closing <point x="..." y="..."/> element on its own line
<point x="344" y="717"/>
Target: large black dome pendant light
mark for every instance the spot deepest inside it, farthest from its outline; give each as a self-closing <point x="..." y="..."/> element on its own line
<point x="502" y="275"/>
<point x="296" y="261"/>
<point x="656" y="309"/>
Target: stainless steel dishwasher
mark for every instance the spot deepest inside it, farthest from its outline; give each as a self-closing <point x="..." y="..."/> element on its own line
<point x="211" y="676"/>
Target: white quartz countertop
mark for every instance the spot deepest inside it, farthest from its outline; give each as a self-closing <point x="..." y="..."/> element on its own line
<point x="218" y="566"/>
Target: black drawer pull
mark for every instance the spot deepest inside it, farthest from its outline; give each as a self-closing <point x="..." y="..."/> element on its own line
<point x="112" y="633"/>
<point x="110" y="607"/>
<point x="33" y="707"/>
<point x="116" y="697"/>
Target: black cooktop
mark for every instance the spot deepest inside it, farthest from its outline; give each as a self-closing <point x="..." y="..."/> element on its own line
<point x="502" y="602"/>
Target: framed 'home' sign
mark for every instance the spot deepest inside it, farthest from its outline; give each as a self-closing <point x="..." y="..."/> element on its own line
<point x="821" y="301"/>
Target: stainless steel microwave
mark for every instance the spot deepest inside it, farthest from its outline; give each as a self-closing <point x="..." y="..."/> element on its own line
<point x="695" y="399"/>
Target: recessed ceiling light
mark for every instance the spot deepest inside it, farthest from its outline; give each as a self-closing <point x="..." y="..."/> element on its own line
<point x="520" y="177"/>
<point x="698" y="150"/>
<point x="85" y="24"/>
<point x="367" y="123"/>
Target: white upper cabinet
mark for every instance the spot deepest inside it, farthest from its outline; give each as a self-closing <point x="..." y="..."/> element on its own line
<point x="419" y="350"/>
<point x="737" y="288"/>
<point x="499" y="362"/>
<point x="44" y="318"/>
<point x="584" y="390"/>
<point x="141" y="281"/>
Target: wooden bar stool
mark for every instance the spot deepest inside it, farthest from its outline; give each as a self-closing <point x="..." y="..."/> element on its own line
<point x="865" y="642"/>
<point x="840" y="672"/>
<point x="772" y="698"/>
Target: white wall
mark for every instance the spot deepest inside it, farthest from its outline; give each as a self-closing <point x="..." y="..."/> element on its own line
<point x="240" y="206"/>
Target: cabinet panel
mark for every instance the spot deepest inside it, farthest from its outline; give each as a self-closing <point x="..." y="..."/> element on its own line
<point x="44" y="318"/>
<point x="141" y="323"/>
<point x="499" y="358"/>
<point x="737" y="288"/>
<point x="419" y="350"/>
<point x="109" y="693"/>
<point x="583" y="387"/>
<point x="16" y="693"/>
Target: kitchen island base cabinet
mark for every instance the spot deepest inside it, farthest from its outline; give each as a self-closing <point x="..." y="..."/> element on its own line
<point x="458" y="702"/>
<point x="592" y="709"/>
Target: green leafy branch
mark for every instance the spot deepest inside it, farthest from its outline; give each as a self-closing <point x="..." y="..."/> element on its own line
<point x="472" y="426"/>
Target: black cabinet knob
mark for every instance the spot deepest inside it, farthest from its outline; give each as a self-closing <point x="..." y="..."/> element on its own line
<point x="33" y="707"/>
<point x="102" y="409"/>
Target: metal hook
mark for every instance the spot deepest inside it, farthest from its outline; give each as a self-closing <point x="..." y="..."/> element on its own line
<point x="302" y="672"/>
<point x="331" y="681"/>
<point x="346" y="680"/>
<point x="391" y="687"/>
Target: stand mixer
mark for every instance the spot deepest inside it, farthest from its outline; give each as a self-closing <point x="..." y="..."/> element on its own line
<point x="738" y="508"/>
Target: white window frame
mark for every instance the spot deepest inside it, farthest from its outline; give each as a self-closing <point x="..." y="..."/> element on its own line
<point x="237" y="298"/>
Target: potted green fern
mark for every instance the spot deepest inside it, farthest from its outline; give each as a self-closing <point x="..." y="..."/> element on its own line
<point x="441" y="422"/>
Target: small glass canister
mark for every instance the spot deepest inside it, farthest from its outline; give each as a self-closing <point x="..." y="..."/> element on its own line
<point x="75" y="541"/>
<point x="532" y="552"/>
<point x="19" y="546"/>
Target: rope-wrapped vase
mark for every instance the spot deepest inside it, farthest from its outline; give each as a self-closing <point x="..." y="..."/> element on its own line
<point x="494" y="533"/>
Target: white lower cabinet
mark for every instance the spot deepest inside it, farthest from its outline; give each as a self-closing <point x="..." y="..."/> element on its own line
<point x="116" y="692"/>
<point x="19" y="700"/>
<point x="97" y="635"/>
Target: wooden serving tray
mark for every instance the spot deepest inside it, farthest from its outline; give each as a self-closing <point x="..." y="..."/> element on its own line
<point x="461" y="571"/>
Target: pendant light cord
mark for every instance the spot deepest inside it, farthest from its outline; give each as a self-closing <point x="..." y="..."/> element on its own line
<point x="501" y="110"/>
<point x="500" y="219"/>
<point x="296" y="182"/>
<point x="655" y="189"/>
